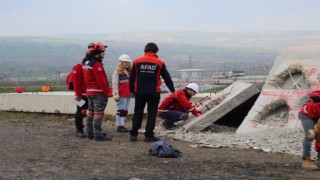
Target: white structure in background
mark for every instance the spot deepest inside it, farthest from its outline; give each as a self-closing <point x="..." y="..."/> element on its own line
<point x="235" y="74"/>
<point x="191" y="75"/>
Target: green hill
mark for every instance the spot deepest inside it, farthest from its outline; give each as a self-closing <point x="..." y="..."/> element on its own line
<point x="46" y="56"/>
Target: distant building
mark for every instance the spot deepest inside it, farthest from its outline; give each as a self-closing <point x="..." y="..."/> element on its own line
<point x="3" y="77"/>
<point x="235" y="74"/>
<point x="191" y="74"/>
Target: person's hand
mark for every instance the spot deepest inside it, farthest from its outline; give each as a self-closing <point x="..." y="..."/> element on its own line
<point x="116" y="97"/>
<point x="83" y="112"/>
<point x="196" y="112"/>
<point x="184" y="116"/>
<point x="195" y="104"/>
<point x="174" y="94"/>
<point x="77" y="98"/>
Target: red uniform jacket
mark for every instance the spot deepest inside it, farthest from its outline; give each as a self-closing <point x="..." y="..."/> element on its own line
<point x="95" y="77"/>
<point x="123" y="85"/>
<point x="146" y="72"/>
<point x="78" y="80"/>
<point x="179" y="103"/>
<point x="311" y="109"/>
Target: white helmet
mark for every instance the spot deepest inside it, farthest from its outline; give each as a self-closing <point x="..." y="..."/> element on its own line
<point x="125" y="58"/>
<point x="193" y="86"/>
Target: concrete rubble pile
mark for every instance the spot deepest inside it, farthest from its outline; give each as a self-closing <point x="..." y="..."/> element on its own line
<point x="287" y="141"/>
<point x="272" y="124"/>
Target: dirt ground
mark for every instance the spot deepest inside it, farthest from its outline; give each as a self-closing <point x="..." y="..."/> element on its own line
<point x="44" y="147"/>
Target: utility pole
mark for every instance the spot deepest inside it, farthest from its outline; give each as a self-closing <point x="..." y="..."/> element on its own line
<point x="190" y="62"/>
<point x="17" y="78"/>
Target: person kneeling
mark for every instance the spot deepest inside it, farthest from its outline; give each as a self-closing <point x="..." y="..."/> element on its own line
<point x="176" y="106"/>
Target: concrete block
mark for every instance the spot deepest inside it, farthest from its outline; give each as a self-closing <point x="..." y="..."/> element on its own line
<point x="284" y="93"/>
<point x="51" y="102"/>
<point x="229" y="98"/>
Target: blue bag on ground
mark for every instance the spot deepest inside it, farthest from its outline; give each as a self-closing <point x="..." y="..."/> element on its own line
<point x="162" y="149"/>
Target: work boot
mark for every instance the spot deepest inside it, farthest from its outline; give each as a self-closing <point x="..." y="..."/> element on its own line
<point x="151" y="139"/>
<point x="309" y="164"/>
<point x="122" y="129"/>
<point x="168" y="125"/>
<point x="318" y="159"/>
<point x="103" y="138"/>
<point x="133" y="138"/>
<point x="80" y="134"/>
<point x="90" y="136"/>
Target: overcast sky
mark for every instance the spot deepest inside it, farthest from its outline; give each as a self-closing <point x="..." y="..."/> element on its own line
<point x="52" y="17"/>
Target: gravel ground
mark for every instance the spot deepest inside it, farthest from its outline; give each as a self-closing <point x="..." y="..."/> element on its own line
<point x="287" y="141"/>
<point x="44" y="147"/>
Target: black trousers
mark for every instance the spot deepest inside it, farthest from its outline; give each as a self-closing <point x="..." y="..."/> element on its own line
<point x="152" y="100"/>
<point x="79" y="117"/>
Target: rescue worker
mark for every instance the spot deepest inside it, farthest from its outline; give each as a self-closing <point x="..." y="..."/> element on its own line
<point x="145" y="85"/>
<point x="309" y="115"/>
<point x="97" y="89"/>
<point x="176" y="107"/>
<point x="80" y="94"/>
<point x="121" y="91"/>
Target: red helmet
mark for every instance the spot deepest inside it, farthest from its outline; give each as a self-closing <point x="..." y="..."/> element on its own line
<point x="88" y="52"/>
<point x="315" y="95"/>
<point x="98" y="46"/>
<point x="90" y="45"/>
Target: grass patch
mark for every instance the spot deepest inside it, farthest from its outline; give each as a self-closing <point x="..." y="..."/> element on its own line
<point x="18" y="117"/>
<point x="31" y="89"/>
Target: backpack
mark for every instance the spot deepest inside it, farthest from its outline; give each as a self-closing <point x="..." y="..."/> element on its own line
<point x="315" y="96"/>
<point x="162" y="149"/>
<point x="69" y="81"/>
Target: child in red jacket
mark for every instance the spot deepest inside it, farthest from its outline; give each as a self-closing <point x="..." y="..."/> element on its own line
<point x="121" y="90"/>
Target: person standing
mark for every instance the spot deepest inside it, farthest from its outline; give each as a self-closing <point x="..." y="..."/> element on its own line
<point x="145" y="85"/>
<point x="97" y="89"/>
<point x="121" y="91"/>
<point x="80" y="94"/>
<point x="309" y="115"/>
<point x="176" y="107"/>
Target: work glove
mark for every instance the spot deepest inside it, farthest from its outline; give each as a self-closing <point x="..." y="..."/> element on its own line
<point x="317" y="147"/>
<point x="83" y="112"/>
<point x="196" y="112"/>
<point x="116" y="97"/>
<point x="195" y="104"/>
<point x="78" y="98"/>
<point x="184" y="116"/>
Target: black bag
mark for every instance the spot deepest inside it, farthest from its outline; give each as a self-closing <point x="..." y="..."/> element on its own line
<point x="162" y="149"/>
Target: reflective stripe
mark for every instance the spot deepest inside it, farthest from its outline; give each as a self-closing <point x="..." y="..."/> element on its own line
<point x="87" y="67"/>
<point x="98" y="112"/>
<point x="305" y="109"/>
<point x="94" y="90"/>
<point x="163" y="110"/>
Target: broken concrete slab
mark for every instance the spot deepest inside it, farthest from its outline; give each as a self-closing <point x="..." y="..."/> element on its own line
<point x="284" y="93"/>
<point x="223" y="102"/>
